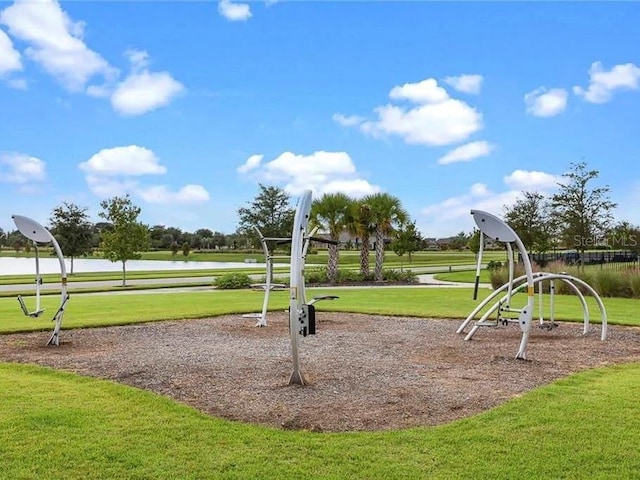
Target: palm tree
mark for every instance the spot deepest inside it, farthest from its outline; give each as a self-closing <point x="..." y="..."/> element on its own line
<point x="330" y="213"/>
<point x="386" y="213"/>
<point x="359" y="225"/>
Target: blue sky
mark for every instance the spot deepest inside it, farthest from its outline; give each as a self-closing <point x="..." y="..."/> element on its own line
<point x="188" y="105"/>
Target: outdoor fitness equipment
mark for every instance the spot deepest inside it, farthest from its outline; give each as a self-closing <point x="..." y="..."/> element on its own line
<point x="268" y="286"/>
<point x="38" y="234"/>
<point x="302" y="317"/>
<point x="495" y="228"/>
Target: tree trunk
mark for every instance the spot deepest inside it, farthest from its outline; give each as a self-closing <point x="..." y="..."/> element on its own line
<point x="379" y="254"/>
<point x="124" y="274"/>
<point x="364" y="255"/>
<point x="71" y="266"/>
<point x="332" y="264"/>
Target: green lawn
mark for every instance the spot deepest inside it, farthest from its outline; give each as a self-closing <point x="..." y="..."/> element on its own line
<point x="57" y="425"/>
<point x="98" y="310"/>
<point x="466" y="276"/>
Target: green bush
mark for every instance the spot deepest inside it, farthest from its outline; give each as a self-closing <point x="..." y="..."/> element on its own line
<point x="632" y="278"/>
<point x="500" y="276"/>
<point x="494" y="265"/>
<point x="316" y="275"/>
<point x="351" y="276"/>
<point x="399" y="276"/>
<point x="609" y="283"/>
<point x="230" y="281"/>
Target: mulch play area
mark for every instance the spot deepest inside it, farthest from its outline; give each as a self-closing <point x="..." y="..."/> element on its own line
<point x="364" y="372"/>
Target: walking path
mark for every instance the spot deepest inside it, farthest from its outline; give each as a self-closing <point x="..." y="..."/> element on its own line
<point x="164" y="285"/>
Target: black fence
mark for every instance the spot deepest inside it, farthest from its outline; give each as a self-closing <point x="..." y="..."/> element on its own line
<point x="608" y="258"/>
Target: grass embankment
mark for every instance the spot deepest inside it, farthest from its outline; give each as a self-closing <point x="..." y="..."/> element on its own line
<point x="58" y="425"/>
<point x="101" y="310"/>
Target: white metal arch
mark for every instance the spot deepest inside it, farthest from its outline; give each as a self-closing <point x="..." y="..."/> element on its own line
<point x="538" y="278"/>
<point x="39" y="234"/>
<point x="495" y="228"/>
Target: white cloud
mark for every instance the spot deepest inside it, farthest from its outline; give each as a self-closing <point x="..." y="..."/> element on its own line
<point x="466" y="83"/>
<point x="532" y="180"/>
<point x="20" y="168"/>
<point x="435" y="120"/>
<point x="347" y="120"/>
<point x="546" y="103"/>
<point x="55" y="42"/>
<point x="603" y="83"/>
<point x="426" y="91"/>
<point x="143" y="91"/>
<point x="131" y="160"/>
<point x="118" y="170"/>
<point x="17" y="83"/>
<point x="479" y="189"/>
<point x="452" y="215"/>
<point x="189" y="194"/>
<point x="234" y="12"/>
<point x="9" y="57"/>
<point x="252" y="163"/>
<point x="323" y="172"/>
<point x="466" y="153"/>
<point x="105" y="187"/>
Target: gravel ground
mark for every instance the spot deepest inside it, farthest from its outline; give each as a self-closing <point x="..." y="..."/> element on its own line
<point x="364" y="372"/>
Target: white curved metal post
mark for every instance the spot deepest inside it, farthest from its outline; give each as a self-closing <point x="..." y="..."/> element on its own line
<point x="296" y="290"/>
<point x="497" y="229"/>
<point x="38" y="278"/>
<point x="37" y="233"/>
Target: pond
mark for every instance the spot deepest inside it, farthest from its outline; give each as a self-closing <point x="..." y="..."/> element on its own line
<point x="26" y="266"/>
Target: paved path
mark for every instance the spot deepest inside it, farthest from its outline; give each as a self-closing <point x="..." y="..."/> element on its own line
<point x="426" y="280"/>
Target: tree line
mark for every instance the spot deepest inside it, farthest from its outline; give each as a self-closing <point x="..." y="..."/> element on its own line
<point x="578" y="217"/>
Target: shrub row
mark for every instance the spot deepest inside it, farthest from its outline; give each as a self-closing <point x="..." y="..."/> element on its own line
<point x="317" y="276"/>
<point x="608" y="283"/>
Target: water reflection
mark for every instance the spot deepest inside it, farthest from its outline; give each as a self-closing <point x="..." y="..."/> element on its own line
<point x="22" y="266"/>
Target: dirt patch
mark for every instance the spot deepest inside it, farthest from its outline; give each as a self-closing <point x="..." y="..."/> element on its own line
<point x="364" y="372"/>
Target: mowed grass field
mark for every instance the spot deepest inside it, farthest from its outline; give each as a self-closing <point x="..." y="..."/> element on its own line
<point x="59" y="425"/>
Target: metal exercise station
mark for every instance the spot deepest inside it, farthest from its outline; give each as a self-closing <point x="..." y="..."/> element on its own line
<point x="40" y="235"/>
<point x="302" y="317"/>
<point x="496" y="229"/>
<point x="268" y="286"/>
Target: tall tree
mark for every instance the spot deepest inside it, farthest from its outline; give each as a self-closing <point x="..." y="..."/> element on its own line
<point x="70" y="225"/>
<point x="584" y="213"/>
<point x="530" y="218"/>
<point x="407" y="240"/>
<point x="459" y="241"/>
<point x="474" y="241"/>
<point x="330" y="212"/>
<point x="386" y="214"/>
<point x="624" y="236"/>
<point x="127" y="237"/>
<point x="359" y="224"/>
<point x="270" y="212"/>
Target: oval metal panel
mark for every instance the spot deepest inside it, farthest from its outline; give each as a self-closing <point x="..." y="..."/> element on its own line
<point x="31" y="229"/>
<point x="493" y="227"/>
